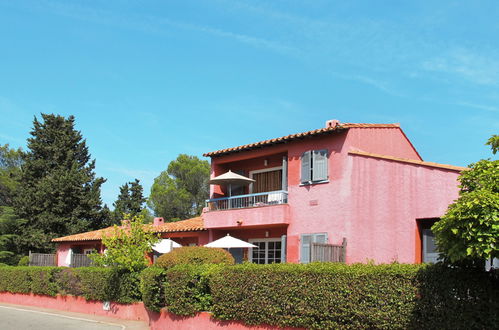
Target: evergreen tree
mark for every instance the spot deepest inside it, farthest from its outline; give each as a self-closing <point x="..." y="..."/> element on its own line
<point x="130" y="201"/>
<point x="180" y="191"/>
<point x="10" y="168"/>
<point x="58" y="192"/>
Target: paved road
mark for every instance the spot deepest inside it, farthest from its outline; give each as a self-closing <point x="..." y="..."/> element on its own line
<point x="15" y="317"/>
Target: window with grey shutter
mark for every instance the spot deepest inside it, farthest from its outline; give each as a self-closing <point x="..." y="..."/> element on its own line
<point x="305" y="248"/>
<point x="319" y="165"/>
<point x="306" y="163"/>
<point x="320" y="238"/>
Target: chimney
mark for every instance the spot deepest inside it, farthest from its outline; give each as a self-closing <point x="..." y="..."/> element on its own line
<point x="158" y="221"/>
<point x="332" y="123"/>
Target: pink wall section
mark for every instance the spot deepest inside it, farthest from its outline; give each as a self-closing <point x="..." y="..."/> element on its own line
<point x="269" y="215"/>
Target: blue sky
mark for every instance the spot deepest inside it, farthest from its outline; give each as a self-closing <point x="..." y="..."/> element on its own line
<point x="147" y="80"/>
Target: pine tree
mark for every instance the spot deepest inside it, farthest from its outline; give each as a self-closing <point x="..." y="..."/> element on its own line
<point x="130" y="201"/>
<point x="58" y="192"/>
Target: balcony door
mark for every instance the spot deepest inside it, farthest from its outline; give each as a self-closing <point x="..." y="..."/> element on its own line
<point x="266" y="180"/>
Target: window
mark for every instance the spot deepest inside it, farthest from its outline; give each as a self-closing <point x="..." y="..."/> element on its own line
<point x="314" y="166"/>
<point x="306" y="241"/>
<point x="88" y="251"/>
<point x="269" y="251"/>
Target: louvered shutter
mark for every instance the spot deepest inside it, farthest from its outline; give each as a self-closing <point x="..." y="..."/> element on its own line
<point x="319" y="167"/>
<point x="320" y="238"/>
<point x="305" y="248"/>
<point x="305" y="167"/>
<point x="283" y="248"/>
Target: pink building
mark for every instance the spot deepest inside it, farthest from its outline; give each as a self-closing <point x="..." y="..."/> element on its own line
<point x="361" y="183"/>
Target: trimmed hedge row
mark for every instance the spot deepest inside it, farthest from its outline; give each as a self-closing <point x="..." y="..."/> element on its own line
<point x="93" y="283"/>
<point x="318" y="295"/>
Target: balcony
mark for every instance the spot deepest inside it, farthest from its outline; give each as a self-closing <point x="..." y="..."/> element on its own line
<point x="261" y="209"/>
<point x="250" y="200"/>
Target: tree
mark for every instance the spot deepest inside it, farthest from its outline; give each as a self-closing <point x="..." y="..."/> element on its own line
<point x="10" y="168"/>
<point x="127" y="246"/>
<point x="180" y="191"/>
<point x="130" y="200"/>
<point x="58" y="191"/>
<point x="470" y="228"/>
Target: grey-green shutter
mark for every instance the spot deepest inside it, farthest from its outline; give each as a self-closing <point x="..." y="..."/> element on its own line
<point x="283" y="248"/>
<point x="319" y="167"/>
<point x="320" y="238"/>
<point x="306" y="163"/>
<point x="305" y="241"/>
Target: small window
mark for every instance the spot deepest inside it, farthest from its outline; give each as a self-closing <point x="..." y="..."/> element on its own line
<point x="314" y="166"/>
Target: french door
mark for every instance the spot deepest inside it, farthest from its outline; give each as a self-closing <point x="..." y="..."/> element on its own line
<point x="269" y="250"/>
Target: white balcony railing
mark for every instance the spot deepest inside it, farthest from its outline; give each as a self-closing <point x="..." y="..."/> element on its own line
<point x="250" y="200"/>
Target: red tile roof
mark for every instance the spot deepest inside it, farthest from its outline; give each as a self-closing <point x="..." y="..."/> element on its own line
<point x="411" y="161"/>
<point x="194" y="224"/>
<point x="297" y="136"/>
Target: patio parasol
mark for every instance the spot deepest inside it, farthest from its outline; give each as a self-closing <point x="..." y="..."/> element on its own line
<point x="230" y="178"/>
<point x="165" y="246"/>
<point x="228" y="242"/>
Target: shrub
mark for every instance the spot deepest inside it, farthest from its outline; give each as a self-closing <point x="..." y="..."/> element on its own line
<point x="69" y="282"/>
<point x="24" y="261"/>
<point x="196" y="255"/>
<point x="187" y="289"/>
<point x="152" y="282"/>
<point x="125" y="286"/>
<point x="43" y="280"/>
<point x="15" y="279"/>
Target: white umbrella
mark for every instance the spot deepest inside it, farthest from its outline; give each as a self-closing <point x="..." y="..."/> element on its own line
<point x="165" y="245"/>
<point x="68" y="257"/>
<point x="228" y="242"/>
<point x="230" y="178"/>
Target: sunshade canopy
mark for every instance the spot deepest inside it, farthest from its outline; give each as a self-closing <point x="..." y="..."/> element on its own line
<point x="231" y="178"/>
<point x="228" y="242"/>
<point x="165" y="245"/>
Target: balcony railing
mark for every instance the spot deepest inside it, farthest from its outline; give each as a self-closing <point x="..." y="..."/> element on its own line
<point x="251" y="200"/>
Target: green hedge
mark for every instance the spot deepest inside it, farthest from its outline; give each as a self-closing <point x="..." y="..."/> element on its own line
<point x="195" y="255"/>
<point x="152" y="282"/>
<point x="93" y="283"/>
<point x="187" y="289"/>
<point x="335" y="296"/>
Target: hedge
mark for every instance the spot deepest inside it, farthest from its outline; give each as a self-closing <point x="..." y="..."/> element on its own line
<point x="187" y="289"/>
<point x="336" y="296"/>
<point x="152" y="288"/>
<point x="195" y="255"/>
<point x="93" y="283"/>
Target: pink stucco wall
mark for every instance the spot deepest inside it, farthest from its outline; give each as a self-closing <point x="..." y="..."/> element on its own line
<point x="374" y="203"/>
<point x="269" y="215"/>
<point x="136" y="311"/>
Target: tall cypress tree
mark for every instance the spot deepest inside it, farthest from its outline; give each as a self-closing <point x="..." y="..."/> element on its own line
<point x="130" y="200"/>
<point x="58" y="193"/>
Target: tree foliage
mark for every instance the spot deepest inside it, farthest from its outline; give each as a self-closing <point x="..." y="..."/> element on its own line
<point x="10" y="168"/>
<point x="58" y="192"/>
<point x="127" y="246"/>
<point x="470" y="228"/>
<point x="180" y="191"/>
<point x="130" y="201"/>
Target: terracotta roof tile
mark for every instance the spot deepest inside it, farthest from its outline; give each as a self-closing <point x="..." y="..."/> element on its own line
<point x="283" y="139"/>
<point x="194" y="224"/>
<point x="411" y="161"/>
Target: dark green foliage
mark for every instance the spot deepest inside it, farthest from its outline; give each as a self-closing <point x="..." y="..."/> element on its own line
<point x="152" y="280"/>
<point x="93" y="283"/>
<point x="316" y="295"/>
<point x="130" y="201"/>
<point x="43" y="280"/>
<point x="24" y="261"/>
<point x="15" y="279"/>
<point x="10" y="168"/>
<point x="187" y="289"/>
<point x="456" y="299"/>
<point x="181" y="190"/>
<point x="195" y="255"/>
<point x="10" y="224"/>
<point x="58" y="191"/>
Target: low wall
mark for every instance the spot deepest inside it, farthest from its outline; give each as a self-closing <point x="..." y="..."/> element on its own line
<point x="135" y="311"/>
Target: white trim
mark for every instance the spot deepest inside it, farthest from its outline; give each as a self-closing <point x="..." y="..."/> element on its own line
<point x="87" y="250"/>
<point x="263" y="170"/>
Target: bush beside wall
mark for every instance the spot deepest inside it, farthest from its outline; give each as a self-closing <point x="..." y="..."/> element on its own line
<point x="152" y="281"/>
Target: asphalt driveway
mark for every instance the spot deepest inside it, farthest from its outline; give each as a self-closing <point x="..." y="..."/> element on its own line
<point x="16" y="317"/>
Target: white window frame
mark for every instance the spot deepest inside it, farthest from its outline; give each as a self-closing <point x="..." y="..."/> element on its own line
<point x="263" y="170"/>
<point x="252" y="240"/>
<point x="87" y="250"/>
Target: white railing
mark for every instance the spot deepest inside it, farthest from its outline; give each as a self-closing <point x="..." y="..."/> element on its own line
<point x="250" y="200"/>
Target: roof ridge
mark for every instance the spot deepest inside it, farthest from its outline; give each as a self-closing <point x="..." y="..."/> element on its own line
<point x="407" y="160"/>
